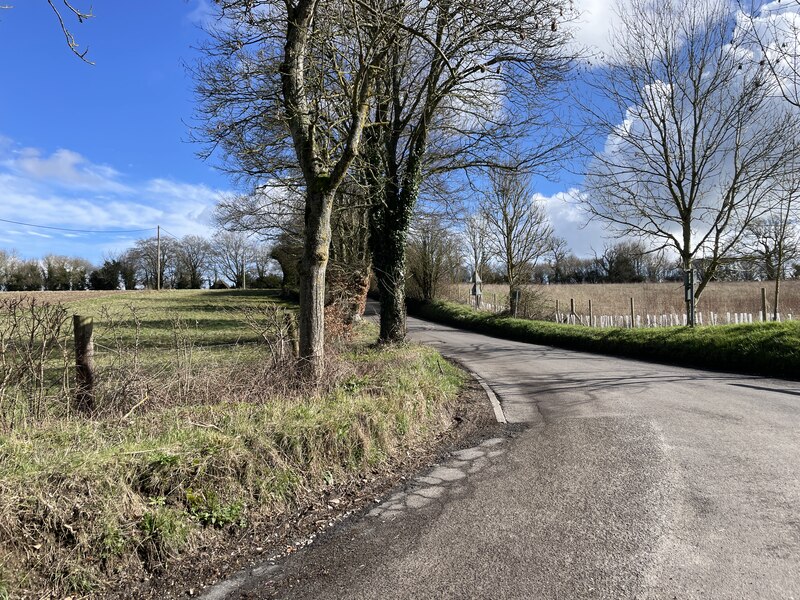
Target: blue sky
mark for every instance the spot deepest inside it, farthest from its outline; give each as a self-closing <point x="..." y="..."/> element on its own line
<point x="100" y="147"/>
<point x="105" y="147"/>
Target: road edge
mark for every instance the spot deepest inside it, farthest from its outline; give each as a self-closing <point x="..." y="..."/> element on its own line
<point x="496" y="406"/>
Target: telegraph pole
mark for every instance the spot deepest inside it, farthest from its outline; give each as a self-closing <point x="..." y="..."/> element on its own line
<point x="158" y="257"/>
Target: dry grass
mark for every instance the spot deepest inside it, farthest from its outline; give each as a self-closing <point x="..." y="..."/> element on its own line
<point x="649" y="298"/>
<point x="202" y="440"/>
<point x="769" y="349"/>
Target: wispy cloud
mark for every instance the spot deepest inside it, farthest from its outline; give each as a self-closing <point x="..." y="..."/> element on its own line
<point x="202" y="14"/>
<point x="67" y="190"/>
<point x="65" y="168"/>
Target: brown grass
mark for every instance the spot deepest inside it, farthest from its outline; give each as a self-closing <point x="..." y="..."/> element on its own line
<point x="649" y="298"/>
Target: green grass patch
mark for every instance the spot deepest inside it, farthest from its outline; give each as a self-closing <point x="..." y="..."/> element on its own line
<point x="769" y="349"/>
<point x="149" y="347"/>
<point x="82" y="501"/>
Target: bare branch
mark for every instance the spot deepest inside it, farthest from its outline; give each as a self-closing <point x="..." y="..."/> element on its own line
<point x="81" y="16"/>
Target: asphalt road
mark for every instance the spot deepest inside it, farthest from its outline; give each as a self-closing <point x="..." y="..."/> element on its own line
<point x="619" y="479"/>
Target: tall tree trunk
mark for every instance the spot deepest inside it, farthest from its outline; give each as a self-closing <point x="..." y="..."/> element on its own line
<point x="313" y="263"/>
<point x="389" y="260"/>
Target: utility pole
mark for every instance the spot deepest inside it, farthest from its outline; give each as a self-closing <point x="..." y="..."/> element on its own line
<point x="158" y="257"/>
<point x="244" y="274"/>
<point x="688" y="288"/>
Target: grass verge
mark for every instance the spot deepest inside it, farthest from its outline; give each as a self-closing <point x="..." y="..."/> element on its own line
<point x="85" y="501"/>
<point x="770" y="349"/>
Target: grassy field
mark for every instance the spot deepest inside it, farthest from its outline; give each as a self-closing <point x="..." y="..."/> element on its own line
<point x="649" y="298"/>
<point x="151" y="348"/>
<point x="771" y="349"/>
<point x="231" y="440"/>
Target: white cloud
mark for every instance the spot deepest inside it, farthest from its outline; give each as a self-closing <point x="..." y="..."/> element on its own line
<point x="202" y="14"/>
<point x="592" y="29"/>
<point x="65" y="168"/>
<point x="67" y="190"/>
<point x="572" y="222"/>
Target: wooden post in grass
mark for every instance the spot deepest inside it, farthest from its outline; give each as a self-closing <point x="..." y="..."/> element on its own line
<point x="291" y="326"/>
<point x="633" y="310"/>
<point x="558" y="318"/>
<point x="764" y="305"/>
<point x="84" y="363"/>
<point x="591" y="314"/>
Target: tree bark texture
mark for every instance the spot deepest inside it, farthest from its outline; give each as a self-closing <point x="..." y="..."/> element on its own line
<point x="389" y="266"/>
<point x="313" y="263"/>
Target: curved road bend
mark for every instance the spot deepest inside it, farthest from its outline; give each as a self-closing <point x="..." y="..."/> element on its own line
<point x="622" y="480"/>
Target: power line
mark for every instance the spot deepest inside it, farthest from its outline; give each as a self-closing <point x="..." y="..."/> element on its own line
<point x="78" y="230"/>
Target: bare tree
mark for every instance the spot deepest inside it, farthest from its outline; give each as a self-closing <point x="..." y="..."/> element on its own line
<point x="433" y="256"/>
<point x="350" y="252"/>
<point x="773" y="29"/>
<point x="285" y="90"/>
<point x="467" y="79"/>
<point x="152" y="266"/>
<point x="231" y="254"/>
<point x="771" y="243"/>
<point x="519" y="230"/>
<point x="262" y="271"/>
<point x="286" y="251"/>
<point x="694" y="141"/>
<point x="194" y="257"/>
<point x="559" y="255"/>
<point x="774" y="241"/>
<point x="475" y="242"/>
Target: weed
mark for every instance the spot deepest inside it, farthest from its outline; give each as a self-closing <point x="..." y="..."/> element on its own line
<point x="355" y="384"/>
<point x="209" y="511"/>
<point x="402" y="424"/>
<point x="157" y="475"/>
<point x="5" y="585"/>
<point x="112" y="541"/>
<point x="165" y="532"/>
<point x="78" y="580"/>
<point x="282" y="483"/>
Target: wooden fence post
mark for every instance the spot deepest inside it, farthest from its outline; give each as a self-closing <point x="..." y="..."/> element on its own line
<point x="764" y="305"/>
<point x="84" y="363"/>
<point x="291" y="331"/>
<point x="591" y="314"/>
<point x="633" y="318"/>
<point x="558" y="318"/>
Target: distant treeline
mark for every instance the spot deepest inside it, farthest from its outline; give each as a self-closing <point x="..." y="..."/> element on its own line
<point x="225" y="260"/>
